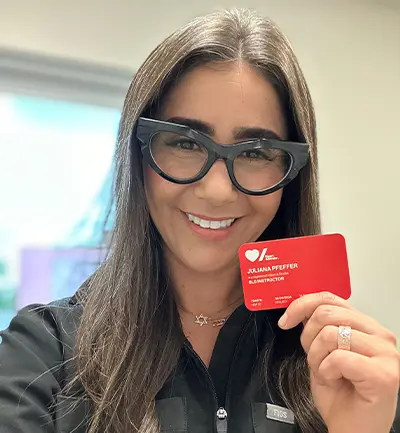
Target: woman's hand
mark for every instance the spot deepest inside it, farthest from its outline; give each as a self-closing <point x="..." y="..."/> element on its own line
<point x="354" y="390"/>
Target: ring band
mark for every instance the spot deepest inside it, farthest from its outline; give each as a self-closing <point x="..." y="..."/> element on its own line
<point x="344" y="337"/>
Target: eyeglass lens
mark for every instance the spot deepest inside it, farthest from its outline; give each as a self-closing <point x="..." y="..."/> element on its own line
<point x="183" y="158"/>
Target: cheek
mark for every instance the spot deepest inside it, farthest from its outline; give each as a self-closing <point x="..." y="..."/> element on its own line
<point x="157" y="193"/>
<point x="152" y="183"/>
<point x="160" y="193"/>
<point x="265" y="207"/>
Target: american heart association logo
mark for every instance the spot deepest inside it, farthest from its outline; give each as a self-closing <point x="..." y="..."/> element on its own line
<point x="252" y="255"/>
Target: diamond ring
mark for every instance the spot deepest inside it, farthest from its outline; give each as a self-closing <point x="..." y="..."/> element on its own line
<point x="344" y="337"/>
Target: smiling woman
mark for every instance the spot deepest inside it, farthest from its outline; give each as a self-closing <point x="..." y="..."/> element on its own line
<point x="231" y="104"/>
<point x="216" y="148"/>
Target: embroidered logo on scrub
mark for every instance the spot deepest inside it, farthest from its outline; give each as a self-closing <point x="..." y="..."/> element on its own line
<point x="279" y="413"/>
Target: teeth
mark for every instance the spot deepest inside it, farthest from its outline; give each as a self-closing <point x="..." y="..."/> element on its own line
<point x="205" y="224"/>
<point x="214" y="225"/>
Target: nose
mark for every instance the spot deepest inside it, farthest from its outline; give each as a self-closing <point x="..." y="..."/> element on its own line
<point x="216" y="186"/>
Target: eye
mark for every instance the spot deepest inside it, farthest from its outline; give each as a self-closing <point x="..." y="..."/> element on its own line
<point x="269" y="155"/>
<point x="184" y="144"/>
<point x="255" y="154"/>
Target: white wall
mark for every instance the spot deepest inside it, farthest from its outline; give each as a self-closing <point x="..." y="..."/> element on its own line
<point x="350" y="52"/>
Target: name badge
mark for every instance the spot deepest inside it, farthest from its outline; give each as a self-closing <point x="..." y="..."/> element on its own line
<point x="279" y="413"/>
<point x="275" y="273"/>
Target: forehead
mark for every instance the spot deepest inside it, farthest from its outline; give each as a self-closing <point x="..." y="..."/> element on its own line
<point x="227" y="97"/>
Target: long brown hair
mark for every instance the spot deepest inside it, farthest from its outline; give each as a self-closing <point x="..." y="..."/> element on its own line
<point x="130" y="335"/>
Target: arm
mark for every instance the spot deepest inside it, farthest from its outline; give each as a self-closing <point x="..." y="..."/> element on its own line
<point x="30" y="356"/>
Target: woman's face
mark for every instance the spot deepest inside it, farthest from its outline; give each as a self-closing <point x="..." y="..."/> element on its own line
<point x="227" y="102"/>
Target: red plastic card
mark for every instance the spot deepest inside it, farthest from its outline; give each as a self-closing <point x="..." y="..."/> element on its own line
<point x="274" y="273"/>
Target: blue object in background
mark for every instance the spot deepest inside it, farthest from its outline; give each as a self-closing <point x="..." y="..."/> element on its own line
<point x="55" y="184"/>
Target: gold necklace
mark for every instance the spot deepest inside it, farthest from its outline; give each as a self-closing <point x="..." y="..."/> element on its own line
<point x="202" y="319"/>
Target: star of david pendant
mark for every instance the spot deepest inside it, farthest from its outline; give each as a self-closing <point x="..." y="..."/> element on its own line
<point x="201" y="320"/>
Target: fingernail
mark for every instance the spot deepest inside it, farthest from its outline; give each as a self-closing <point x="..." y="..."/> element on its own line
<point x="282" y="321"/>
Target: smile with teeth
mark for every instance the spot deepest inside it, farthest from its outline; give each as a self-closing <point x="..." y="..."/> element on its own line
<point x="214" y="225"/>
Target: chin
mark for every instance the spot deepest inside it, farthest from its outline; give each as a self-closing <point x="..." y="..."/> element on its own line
<point x="209" y="263"/>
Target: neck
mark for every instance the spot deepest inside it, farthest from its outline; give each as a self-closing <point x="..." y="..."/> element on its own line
<point x="206" y="293"/>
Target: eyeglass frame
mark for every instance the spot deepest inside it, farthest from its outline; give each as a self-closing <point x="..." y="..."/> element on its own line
<point x="146" y="128"/>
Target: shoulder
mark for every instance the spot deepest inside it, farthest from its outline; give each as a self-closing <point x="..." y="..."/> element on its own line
<point x="47" y="331"/>
<point x="48" y="317"/>
<point x="35" y="351"/>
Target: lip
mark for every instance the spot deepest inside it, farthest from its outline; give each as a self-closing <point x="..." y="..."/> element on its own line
<point x="210" y="234"/>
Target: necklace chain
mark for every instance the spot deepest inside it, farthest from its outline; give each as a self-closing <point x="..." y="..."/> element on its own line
<point x="202" y="319"/>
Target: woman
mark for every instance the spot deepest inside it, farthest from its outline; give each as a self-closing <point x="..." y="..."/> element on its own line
<point x="158" y="339"/>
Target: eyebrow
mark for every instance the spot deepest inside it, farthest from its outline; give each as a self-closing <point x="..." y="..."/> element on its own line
<point x="241" y="133"/>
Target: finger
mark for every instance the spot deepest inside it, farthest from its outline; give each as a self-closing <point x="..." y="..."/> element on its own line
<point x="302" y="308"/>
<point x="327" y="341"/>
<point x="368" y="375"/>
<point x="325" y="315"/>
<point x="371" y="398"/>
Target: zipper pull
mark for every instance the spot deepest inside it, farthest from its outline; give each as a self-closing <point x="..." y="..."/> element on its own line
<point x="222" y="422"/>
